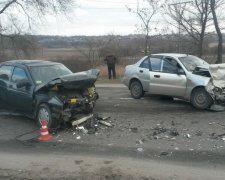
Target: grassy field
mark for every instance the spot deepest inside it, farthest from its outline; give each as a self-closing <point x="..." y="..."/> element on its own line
<point x="104" y="71"/>
<point x="76" y="61"/>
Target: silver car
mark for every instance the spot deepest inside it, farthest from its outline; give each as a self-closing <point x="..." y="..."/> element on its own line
<point x="177" y="75"/>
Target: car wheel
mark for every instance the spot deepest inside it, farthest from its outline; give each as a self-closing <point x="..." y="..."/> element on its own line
<point x="201" y="99"/>
<point x="136" y="90"/>
<point x="44" y="113"/>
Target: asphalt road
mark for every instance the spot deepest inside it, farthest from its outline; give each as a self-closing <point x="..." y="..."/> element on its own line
<point x="151" y="138"/>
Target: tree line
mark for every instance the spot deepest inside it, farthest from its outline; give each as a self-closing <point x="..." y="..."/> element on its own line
<point x="179" y="26"/>
<point x="193" y="18"/>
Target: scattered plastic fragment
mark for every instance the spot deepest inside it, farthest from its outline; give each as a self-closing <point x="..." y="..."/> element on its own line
<point x="174" y="132"/>
<point x="139" y="142"/>
<point x="188" y="136"/>
<point x="164" y="153"/>
<point x="106" y="123"/>
<point x="134" y="129"/>
<point x="77" y="122"/>
<point x="140" y="150"/>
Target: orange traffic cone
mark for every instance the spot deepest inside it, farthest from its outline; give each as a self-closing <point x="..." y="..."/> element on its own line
<point x="44" y="132"/>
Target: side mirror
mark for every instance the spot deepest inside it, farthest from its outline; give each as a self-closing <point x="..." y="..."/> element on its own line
<point x="180" y="71"/>
<point x="22" y="83"/>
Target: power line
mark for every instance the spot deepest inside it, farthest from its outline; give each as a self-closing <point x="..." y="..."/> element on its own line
<point x="110" y="2"/>
<point x="181" y="3"/>
<point x="99" y="8"/>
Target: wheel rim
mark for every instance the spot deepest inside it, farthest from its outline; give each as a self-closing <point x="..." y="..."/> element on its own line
<point x="200" y="99"/>
<point x="43" y="115"/>
<point x="136" y="91"/>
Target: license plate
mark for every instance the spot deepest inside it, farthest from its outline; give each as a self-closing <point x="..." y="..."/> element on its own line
<point x="73" y="100"/>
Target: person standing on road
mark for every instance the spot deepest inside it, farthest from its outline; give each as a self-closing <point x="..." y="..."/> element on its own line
<point x="110" y="60"/>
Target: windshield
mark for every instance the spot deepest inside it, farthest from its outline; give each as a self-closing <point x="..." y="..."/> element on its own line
<point x="42" y="74"/>
<point x="191" y="62"/>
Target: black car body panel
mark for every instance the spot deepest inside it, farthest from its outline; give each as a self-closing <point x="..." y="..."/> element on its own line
<point x="67" y="95"/>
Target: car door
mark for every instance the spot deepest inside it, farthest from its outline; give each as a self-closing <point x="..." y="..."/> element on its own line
<point x="164" y="79"/>
<point x="21" y="99"/>
<point x="143" y="74"/>
<point x="5" y="75"/>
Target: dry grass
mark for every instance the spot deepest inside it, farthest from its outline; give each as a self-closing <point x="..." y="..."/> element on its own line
<point x="56" y="53"/>
<point x="104" y="71"/>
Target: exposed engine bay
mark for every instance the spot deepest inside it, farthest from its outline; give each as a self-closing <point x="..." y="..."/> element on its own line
<point x="216" y="84"/>
<point x="71" y="95"/>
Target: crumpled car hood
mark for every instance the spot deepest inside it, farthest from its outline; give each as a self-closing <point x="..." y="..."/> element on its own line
<point x="75" y="81"/>
<point x="217" y="72"/>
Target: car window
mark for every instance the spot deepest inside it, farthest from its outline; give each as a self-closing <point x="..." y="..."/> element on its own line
<point x="191" y="62"/>
<point x="18" y="74"/>
<point x="155" y="63"/>
<point x="145" y="64"/>
<point x="168" y="67"/>
<point x="43" y="74"/>
<point x="5" y="72"/>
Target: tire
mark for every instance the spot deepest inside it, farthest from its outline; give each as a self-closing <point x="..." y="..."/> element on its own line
<point x="201" y="99"/>
<point x="136" y="90"/>
<point x="44" y="113"/>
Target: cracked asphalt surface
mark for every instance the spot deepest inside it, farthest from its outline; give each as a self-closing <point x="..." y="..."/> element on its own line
<point x="149" y="132"/>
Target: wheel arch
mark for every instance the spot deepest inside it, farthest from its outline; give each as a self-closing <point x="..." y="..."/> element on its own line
<point x="196" y="87"/>
<point x="201" y="87"/>
<point x="135" y="79"/>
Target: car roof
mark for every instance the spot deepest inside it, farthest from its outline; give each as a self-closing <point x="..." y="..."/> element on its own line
<point x="177" y="55"/>
<point x="29" y="62"/>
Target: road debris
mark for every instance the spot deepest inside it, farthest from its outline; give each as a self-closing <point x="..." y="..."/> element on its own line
<point x="105" y="123"/>
<point x="217" y="108"/>
<point x="199" y="133"/>
<point x="89" y="124"/>
<point x="80" y="128"/>
<point x="164" y="153"/>
<point x="188" y="136"/>
<point x="139" y="150"/>
<point x="77" y="122"/>
<point x="174" y="132"/>
<point x="158" y="130"/>
<point x="139" y="142"/>
<point x="134" y="129"/>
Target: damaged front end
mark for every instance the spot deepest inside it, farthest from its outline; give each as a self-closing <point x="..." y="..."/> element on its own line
<point x="216" y="85"/>
<point x="70" y="95"/>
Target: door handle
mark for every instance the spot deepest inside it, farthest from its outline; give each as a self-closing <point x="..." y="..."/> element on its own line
<point x="157" y="76"/>
<point x="141" y="71"/>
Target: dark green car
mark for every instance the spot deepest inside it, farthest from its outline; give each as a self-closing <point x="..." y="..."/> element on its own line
<point x="46" y="90"/>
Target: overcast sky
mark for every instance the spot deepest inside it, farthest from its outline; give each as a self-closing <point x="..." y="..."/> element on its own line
<point x="96" y="17"/>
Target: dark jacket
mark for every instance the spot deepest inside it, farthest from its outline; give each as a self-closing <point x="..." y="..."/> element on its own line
<point x="111" y="60"/>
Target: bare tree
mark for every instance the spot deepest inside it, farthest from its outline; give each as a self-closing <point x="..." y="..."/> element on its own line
<point x="92" y="49"/>
<point x="95" y="48"/>
<point x="192" y="18"/>
<point x="19" y="18"/>
<point x="146" y="16"/>
<point x="219" y="34"/>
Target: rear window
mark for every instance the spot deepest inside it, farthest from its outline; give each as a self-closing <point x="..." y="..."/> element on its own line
<point x="155" y="63"/>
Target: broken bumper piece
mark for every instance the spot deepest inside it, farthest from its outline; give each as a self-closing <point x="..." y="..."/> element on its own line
<point x="79" y="121"/>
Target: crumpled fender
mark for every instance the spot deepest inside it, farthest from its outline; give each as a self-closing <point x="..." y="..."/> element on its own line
<point x="217" y="72"/>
